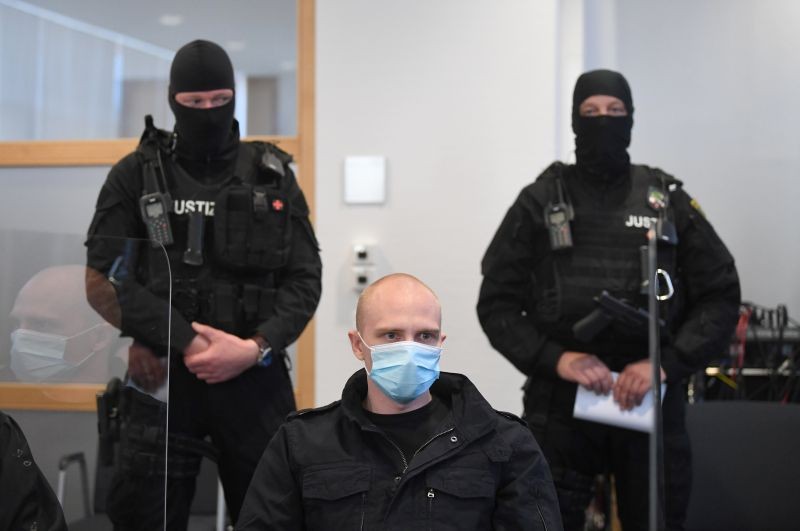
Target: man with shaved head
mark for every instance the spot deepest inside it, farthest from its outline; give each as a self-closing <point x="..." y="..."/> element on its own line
<point x="407" y="446"/>
<point x="58" y="337"/>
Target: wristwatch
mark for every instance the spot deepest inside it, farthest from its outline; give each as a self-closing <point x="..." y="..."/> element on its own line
<point x="264" y="351"/>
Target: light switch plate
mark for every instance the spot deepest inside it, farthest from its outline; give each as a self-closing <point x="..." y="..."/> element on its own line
<point x="365" y="180"/>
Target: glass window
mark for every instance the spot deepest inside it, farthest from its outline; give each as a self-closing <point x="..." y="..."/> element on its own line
<point x="88" y="70"/>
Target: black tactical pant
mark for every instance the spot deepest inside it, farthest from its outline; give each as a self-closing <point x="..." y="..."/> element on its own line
<point x="579" y="450"/>
<point x="239" y="416"/>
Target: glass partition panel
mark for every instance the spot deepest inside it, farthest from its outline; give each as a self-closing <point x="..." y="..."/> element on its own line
<point x="84" y="372"/>
<point x="88" y="70"/>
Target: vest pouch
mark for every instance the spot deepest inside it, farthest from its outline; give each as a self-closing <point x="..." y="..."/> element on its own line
<point x="252" y="228"/>
<point x="234" y="308"/>
<point x="185" y="298"/>
<point x="257" y="302"/>
<point x="225" y="307"/>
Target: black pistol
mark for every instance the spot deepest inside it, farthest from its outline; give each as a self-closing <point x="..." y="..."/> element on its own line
<point x="612" y="310"/>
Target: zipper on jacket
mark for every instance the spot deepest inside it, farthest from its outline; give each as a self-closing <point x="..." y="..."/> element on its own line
<point x="403" y="456"/>
<point x="445" y="432"/>
<point x="363" y="504"/>
<point x="431" y="496"/>
<point x="399" y="451"/>
<point x="541" y="516"/>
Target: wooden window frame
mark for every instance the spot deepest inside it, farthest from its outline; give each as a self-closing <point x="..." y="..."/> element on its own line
<point x="81" y="397"/>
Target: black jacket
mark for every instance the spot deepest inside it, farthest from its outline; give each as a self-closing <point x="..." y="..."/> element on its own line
<point x="331" y="468"/>
<point x="708" y="283"/>
<point x="28" y="501"/>
<point x="144" y="314"/>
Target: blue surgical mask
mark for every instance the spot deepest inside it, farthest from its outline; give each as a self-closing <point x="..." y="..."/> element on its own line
<point x="404" y="370"/>
<point x="39" y="356"/>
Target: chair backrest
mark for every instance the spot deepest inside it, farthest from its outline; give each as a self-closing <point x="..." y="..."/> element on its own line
<point x="102" y="484"/>
<point x="205" y="494"/>
<point x="745" y="468"/>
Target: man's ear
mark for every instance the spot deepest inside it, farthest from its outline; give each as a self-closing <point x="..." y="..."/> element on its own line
<point x="356" y="344"/>
<point x="442" y="337"/>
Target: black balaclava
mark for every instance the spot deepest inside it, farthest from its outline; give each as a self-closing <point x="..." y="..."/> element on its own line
<point x="601" y="142"/>
<point x="203" y="134"/>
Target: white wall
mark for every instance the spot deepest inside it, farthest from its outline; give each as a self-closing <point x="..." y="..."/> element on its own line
<point x="459" y="96"/>
<point x="715" y="86"/>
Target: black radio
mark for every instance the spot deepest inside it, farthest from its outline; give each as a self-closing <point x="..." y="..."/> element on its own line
<point x="155" y="209"/>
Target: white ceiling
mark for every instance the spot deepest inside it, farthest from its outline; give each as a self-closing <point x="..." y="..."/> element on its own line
<point x="267" y="28"/>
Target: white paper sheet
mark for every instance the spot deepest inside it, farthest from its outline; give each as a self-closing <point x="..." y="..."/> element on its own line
<point x="603" y="409"/>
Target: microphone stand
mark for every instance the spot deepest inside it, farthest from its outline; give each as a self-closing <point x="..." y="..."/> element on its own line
<point x="656" y="450"/>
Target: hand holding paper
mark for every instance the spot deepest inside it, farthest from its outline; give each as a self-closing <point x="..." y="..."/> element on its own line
<point x="602" y="408"/>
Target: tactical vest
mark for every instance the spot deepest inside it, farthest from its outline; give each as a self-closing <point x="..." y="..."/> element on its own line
<point x="245" y="238"/>
<point x="605" y="256"/>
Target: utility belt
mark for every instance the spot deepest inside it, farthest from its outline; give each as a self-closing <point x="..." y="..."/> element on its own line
<point x="224" y="305"/>
<point x="132" y="429"/>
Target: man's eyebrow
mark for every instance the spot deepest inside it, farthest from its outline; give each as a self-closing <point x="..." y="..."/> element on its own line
<point x="386" y="330"/>
<point x="43" y="319"/>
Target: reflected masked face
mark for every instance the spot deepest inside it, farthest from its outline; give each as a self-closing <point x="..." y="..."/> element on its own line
<point x="42" y="356"/>
<point x="57" y="333"/>
<point x="41" y="309"/>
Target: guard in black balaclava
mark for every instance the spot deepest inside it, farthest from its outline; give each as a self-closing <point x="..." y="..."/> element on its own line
<point x="203" y="134"/>
<point x="601" y="142"/>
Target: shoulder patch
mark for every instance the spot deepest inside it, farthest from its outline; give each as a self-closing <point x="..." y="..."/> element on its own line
<point x="656" y="198"/>
<point x="696" y="206"/>
<point x="312" y="411"/>
<point x="670" y="180"/>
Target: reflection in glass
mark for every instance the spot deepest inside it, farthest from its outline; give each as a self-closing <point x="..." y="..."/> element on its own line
<point x="58" y="337"/>
<point x="61" y="331"/>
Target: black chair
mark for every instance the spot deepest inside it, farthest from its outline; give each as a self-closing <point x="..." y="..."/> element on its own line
<point x="745" y="471"/>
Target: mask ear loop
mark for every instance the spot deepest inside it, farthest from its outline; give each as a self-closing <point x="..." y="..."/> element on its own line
<point x="362" y="340"/>
<point x="370" y="349"/>
<point x="92" y="353"/>
<point x="85" y="331"/>
<point x="63" y="340"/>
